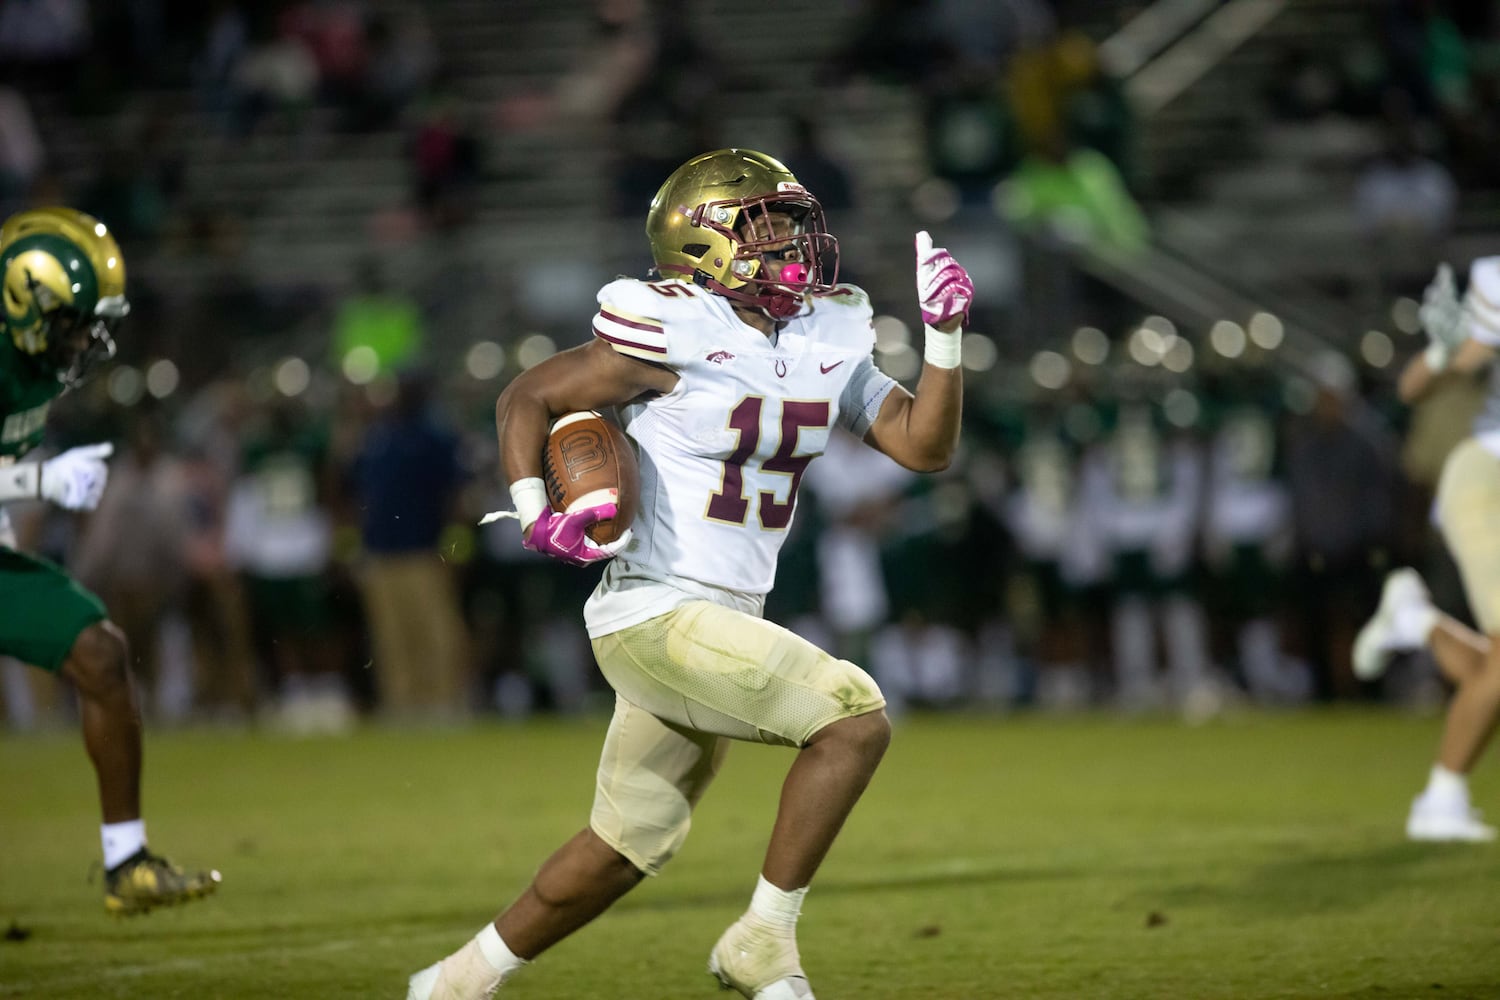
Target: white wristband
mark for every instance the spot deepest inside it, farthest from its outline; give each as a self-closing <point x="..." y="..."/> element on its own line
<point x="20" y="482"/>
<point x="943" y="350"/>
<point x="530" y="498"/>
<point x="1437" y="355"/>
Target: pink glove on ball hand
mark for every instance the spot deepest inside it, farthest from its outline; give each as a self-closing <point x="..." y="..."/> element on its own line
<point x="943" y="286"/>
<point x="563" y="536"/>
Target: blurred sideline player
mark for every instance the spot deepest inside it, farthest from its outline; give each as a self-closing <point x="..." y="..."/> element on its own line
<point x="1464" y="336"/>
<point x="64" y="292"/>
<point x="730" y="372"/>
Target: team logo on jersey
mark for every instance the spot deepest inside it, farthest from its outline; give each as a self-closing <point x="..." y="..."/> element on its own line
<point x="719" y="357"/>
<point x="781" y="368"/>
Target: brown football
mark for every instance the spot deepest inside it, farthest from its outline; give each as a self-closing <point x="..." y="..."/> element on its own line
<point x="589" y="461"/>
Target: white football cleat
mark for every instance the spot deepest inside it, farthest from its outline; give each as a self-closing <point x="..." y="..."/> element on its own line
<point x="759" y="962"/>
<point x="419" y="986"/>
<point x="457" y="977"/>
<point x="1446" y="819"/>
<point x="1378" y="640"/>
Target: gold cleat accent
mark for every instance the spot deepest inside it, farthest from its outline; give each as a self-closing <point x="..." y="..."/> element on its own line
<point x="145" y="881"/>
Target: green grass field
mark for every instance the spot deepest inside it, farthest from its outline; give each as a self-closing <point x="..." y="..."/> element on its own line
<point x="1259" y="856"/>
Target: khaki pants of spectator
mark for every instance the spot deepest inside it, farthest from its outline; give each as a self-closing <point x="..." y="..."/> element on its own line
<point x="417" y="634"/>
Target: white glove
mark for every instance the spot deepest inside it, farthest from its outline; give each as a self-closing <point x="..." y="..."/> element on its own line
<point x="1442" y="317"/>
<point x="75" y="479"/>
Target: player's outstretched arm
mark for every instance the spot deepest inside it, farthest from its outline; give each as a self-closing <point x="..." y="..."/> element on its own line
<point x="920" y="431"/>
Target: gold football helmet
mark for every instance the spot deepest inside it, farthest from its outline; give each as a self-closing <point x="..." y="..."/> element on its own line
<point x="709" y="224"/>
<point x="63" y="279"/>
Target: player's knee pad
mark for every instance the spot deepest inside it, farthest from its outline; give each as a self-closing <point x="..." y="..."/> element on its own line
<point x="651" y="774"/>
<point x="649" y="838"/>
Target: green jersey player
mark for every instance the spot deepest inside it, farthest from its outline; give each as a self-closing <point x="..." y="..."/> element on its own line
<point x="64" y="292"/>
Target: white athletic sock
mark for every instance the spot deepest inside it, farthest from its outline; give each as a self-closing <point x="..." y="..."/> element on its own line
<point x="1443" y="783"/>
<point x="476" y="970"/>
<point x="497" y="952"/>
<point x="121" y="840"/>
<point x="774" y="906"/>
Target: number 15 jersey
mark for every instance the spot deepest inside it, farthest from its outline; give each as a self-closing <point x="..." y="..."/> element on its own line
<point x="722" y="455"/>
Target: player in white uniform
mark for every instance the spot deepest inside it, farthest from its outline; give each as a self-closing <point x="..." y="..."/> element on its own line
<point x="729" y="374"/>
<point x="1465" y="338"/>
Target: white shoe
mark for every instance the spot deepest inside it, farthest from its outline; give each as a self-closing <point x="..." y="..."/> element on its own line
<point x="419" y="986"/>
<point x="1377" y="641"/>
<point x="1447" y="820"/>
<point x="463" y="975"/>
<point x="760" y="962"/>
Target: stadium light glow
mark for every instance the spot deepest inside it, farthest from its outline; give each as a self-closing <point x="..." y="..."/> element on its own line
<point x="485" y="360"/>
<point x="292" y="377"/>
<point x="1161" y="325"/>
<point x="126" y="386"/>
<point x="1377" y="348"/>
<point x="1228" y="338"/>
<point x="1266" y="331"/>
<point x="1406" y="315"/>
<point x="361" y="364"/>
<point x="935" y="199"/>
<point x="1050" y="370"/>
<point x="535" y="349"/>
<point x="1090" y="345"/>
<point x="1145" y="347"/>
<point x="979" y="353"/>
<point x="162" y="378"/>
<point x="1178" y="357"/>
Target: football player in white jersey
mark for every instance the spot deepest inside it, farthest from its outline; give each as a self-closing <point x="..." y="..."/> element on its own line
<point x="728" y="373"/>
<point x="1464" y="337"/>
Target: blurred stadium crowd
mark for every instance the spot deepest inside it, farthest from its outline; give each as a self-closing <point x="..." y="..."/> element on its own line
<point x="348" y="221"/>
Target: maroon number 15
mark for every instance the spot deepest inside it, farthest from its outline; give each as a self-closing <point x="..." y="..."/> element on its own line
<point x="730" y="504"/>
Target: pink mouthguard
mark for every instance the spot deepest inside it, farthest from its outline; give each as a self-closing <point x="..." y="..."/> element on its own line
<point x="793" y="274"/>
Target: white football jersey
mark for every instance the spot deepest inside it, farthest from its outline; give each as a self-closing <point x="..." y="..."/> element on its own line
<point x="722" y="455"/>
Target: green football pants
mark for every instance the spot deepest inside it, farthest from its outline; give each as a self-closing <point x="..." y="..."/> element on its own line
<point x="42" y="610"/>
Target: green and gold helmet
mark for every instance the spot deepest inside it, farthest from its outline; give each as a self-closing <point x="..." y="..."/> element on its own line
<point x="64" y="288"/>
<point x="705" y="226"/>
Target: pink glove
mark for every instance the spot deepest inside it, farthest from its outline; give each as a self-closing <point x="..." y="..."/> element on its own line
<point x="562" y="536"/>
<point x="943" y="286"/>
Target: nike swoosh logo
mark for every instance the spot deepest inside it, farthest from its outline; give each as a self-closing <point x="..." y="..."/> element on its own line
<point x="825" y="369"/>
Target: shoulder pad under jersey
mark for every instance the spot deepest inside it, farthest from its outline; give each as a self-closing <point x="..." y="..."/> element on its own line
<point x="849" y="297"/>
<point x="844" y="318"/>
<point x="634" y="316"/>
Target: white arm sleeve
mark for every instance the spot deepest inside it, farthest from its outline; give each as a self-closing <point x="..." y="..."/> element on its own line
<point x="20" y="482"/>
<point x="863" y="396"/>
